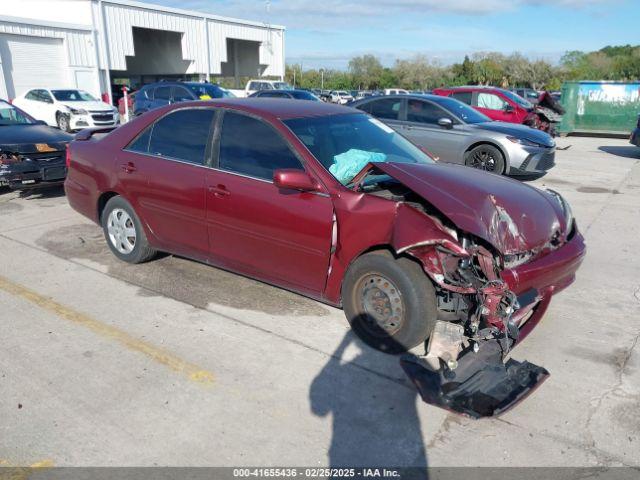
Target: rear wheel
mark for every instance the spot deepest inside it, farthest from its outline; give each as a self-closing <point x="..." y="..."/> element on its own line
<point x="390" y="303"/>
<point x="485" y="157"/>
<point x="124" y="233"/>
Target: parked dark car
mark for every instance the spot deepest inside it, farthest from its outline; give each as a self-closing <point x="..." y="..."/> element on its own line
<point x="291" y="94"/>
<point x="32" y="154"/>
<point x="635" y="135"/>
<point x="454" y="132"/>
<point x="156" y="95"/>
<point x="528" y="94"/>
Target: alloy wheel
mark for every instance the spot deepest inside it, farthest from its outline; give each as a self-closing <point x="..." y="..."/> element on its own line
<point x="483" y="160"/>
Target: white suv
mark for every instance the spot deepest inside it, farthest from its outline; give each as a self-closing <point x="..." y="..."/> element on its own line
<point x="68" y="109"/>
<point x="340" y="96"/>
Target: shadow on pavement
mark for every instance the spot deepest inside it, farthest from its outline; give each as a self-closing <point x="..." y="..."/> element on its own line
<point x="375" y="419"/>
<point x="629" y="151"/>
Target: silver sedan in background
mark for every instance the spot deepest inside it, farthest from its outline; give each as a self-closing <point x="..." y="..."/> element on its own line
<point x="453" y="132"/>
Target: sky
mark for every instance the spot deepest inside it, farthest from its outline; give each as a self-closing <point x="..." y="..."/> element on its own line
<point x="327" y="33"/>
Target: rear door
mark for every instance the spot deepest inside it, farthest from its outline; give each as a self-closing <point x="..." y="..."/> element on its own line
<point x="163" y="174"/>
<point x="281" y="236"/>
<point x="388" y="110"/>
<point x="422" y="128"/>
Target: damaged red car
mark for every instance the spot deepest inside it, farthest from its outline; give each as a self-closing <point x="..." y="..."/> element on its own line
<point x="329" y="202"/>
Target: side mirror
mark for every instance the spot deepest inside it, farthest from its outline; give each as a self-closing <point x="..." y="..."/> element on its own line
<point x="445" y="122"/>
<point x="294" y="180"/>
<point x="508" y="108"/>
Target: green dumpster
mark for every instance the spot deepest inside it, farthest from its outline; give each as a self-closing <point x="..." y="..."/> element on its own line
<point x="600" y="107"/>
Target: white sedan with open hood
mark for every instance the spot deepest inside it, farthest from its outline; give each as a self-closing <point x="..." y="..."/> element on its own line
<point x="68" y="109"/>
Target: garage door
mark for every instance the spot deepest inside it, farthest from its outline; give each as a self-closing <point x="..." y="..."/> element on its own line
<point x="31" y="62"/>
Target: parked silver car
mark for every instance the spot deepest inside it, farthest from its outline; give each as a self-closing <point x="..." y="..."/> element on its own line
<point x="453" y="132"/>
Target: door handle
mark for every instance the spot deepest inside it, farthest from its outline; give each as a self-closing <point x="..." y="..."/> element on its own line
<point x="219" y="190"/>
<point x="128" y="167"/>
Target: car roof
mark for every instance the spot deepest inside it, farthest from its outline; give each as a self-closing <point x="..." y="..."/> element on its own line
<point x="281" y="108"/>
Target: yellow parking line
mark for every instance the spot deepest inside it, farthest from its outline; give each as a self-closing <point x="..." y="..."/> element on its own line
<point x="193" y="372"/>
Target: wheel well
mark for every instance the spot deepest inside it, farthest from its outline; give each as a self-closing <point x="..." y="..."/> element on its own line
<point x="102" y="202"/>
<point x="495" y="145"/>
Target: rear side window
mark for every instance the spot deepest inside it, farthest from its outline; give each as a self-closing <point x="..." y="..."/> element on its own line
<point x="251" y="147"/>
<point x="464" y="97"/>
<point x="181" y="135"/>
<point x="387" y="108"/>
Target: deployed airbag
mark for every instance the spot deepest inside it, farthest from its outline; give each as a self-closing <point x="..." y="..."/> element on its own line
<point x="347" y="164"/>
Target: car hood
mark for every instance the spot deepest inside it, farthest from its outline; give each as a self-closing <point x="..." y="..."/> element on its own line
<point x="93" y="106"/>
<point x="32" y="138"/>
<point x="511" y="216"/>
<point x="517" y="130"/>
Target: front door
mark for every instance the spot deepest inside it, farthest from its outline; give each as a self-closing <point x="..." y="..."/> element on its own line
<point x="281" y="236"/>
<point x="163" y="175"/>
<point x="494" y="107"/>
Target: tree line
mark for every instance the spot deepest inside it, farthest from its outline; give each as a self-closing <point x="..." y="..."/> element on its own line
<point x="366" y="72"/>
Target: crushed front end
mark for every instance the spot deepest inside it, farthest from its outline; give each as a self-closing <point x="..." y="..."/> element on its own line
<point x="487" y="303"/>
<point x="31" y="166"/>
<point x="496" y="251"/>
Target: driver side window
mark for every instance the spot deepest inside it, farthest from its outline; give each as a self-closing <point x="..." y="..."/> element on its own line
<point x="425" y="112"/>
<point x="490" y="101"/>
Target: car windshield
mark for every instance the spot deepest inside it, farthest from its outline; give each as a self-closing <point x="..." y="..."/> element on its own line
<point x="205" y="91"/>
<point x="282" y="86"/>
<point x="73" y="96"/>
<point x="518" y="99"/>
<point x="345" y="144"/>
<point x="461" y="110"/>
<point x="10" y="115"/>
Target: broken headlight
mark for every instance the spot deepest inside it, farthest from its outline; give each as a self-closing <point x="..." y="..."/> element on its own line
<point x="566" y="208"/>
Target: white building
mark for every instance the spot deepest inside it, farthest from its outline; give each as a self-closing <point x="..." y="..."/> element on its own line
<point x="96" y="45"/>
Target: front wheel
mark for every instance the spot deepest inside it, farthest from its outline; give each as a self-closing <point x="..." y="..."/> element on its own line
<point x="124" y="233"/>
<point x="64" y="122"/>
<point x="485" y="157"/>
<point x="390" y="303"/>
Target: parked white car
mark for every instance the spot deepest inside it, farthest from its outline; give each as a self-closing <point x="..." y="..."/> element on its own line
<point x="395" y="91"/>
<point x="254" y="86"/>
<point x="67" y="108"/>
<point x="340" y="96"/>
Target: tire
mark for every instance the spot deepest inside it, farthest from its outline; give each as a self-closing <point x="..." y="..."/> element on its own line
<point x="63" y="122"/>
<point x="124" y="233"/>
<point x="400" y="282"/>
<point x="485" y="157"/>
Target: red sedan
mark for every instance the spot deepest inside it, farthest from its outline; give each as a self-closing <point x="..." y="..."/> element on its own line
<point x="329" y="202"/>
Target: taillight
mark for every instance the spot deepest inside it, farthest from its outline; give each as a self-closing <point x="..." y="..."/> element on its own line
<point x="67" y="156"/>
